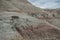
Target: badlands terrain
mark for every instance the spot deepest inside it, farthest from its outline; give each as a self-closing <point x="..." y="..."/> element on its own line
<point x="20" y="20"/>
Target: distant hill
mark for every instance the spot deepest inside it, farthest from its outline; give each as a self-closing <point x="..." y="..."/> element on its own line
<point x="21" y="5"/>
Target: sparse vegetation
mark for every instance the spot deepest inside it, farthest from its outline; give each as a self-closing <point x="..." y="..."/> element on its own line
<point x="22" y="21"/>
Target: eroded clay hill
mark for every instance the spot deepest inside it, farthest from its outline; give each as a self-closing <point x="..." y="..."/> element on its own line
<point x="20" y="20"/>
<point x="17" y="5"/>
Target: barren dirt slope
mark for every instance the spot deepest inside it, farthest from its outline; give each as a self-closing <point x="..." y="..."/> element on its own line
<point x="17" y="5"/>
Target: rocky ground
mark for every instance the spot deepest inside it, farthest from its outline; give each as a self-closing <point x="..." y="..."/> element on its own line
<point x="20" y="20"/>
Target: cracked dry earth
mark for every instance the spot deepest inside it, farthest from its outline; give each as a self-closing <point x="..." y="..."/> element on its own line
<point x="21" y="26"/>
